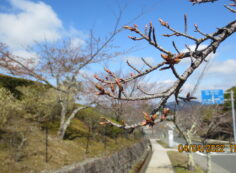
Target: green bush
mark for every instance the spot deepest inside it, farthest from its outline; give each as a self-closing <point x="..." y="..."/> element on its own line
<point x="90" y="115"/>
<point x="9" y="106"/>
<point x="40" y="103"/>
<point x="11" y="83"/>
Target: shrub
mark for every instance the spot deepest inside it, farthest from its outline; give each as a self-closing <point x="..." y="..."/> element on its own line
<point x="40" y="103"/>
<point x="11" y="83"/>
<point x="9" y="106"/>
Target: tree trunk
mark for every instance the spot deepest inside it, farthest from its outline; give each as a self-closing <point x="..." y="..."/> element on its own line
<point x="61" y="132"/>
<point x="65" y="123"/>
<point x="191" y="163"/>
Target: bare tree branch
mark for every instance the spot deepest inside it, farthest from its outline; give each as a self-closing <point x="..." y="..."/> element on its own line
<point x="135" y="69"/>
<point x="230" y="9"/>
<point x="197" y="57"/>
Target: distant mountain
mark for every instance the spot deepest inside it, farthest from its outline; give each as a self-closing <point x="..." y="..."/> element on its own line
<point x="182" y="105"/>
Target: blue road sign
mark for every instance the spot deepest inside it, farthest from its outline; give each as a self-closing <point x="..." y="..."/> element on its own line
<point x="212" y="96"/>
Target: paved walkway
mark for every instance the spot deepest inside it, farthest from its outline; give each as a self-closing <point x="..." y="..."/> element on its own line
<point x="160" y="162"/>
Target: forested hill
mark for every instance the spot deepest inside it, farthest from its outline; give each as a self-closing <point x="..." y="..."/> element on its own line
<point x="30" y="117"/>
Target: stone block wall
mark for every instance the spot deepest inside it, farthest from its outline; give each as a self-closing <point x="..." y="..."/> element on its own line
<point x="119" y="162"/>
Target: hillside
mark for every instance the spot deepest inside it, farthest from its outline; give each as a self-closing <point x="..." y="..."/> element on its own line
<point x="23" y="134"/>
<point x="12" y="82"/>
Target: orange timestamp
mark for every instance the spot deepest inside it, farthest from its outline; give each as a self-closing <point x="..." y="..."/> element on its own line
<point x="203" y="148"/>
<point x="232" y="148"/>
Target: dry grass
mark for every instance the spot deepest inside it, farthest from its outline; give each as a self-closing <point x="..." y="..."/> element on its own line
<point x="179" y="163"/>
<point x="163" y="144"/>
<point x="31" y="157"/>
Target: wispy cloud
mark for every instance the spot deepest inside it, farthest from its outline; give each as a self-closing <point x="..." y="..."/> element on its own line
<point x="76" y="42"/>
<point x="227" y="67"/>
<point x="26" y="55"/>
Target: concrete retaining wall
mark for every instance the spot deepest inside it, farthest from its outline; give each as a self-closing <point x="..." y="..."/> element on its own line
<point x="120" y="162"/>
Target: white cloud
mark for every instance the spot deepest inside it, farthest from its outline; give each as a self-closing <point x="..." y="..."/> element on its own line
<point x="86" y="74"/>
<point x="73" y="32"/>
<point x="138" y="61"/>
<point x="76" y="42"/>
<point x="219" y="75"/>
<point x="166" y="82"/>
<point x="25" y="56"/>
<point x="77" y="37"/>
<point x="163" y="85"/>
<point x="227" y="67"/>
<point x="187" y="87"/>
<point x="29" y="22"/>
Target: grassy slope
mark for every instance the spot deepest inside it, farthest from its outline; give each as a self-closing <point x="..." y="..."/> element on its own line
<point x="31" y="157"/>
<point x="163" y="144"/>
<point x="179" y="163"/>
<point x="11" y="83"/>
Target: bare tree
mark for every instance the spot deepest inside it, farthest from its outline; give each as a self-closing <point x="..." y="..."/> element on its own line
<point x="61" y="67"/>
<point x="121" y="109"/>
<point x="204" y="122"/>
<point x="199" y="121"/>
<point x="219" y="123"/>
<point x="187" y="121"/>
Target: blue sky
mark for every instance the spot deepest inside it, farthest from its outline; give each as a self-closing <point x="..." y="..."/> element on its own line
<point x="22" y="22"/>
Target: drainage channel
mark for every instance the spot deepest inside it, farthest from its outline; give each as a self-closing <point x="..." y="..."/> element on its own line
<point x="146" y="161"/>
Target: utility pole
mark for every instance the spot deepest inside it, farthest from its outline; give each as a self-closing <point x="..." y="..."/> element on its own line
<point x="233" y="113"/>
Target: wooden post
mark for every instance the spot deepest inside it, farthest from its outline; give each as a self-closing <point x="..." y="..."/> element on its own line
<point x="46" y="144"/>
<point x="88" y="140"/>
<point x="105" y="139"/>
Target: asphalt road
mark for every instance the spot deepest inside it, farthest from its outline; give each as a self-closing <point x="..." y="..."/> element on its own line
<point x="223" y="163"/>
<point x="226" y="161"/>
